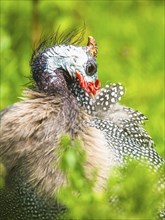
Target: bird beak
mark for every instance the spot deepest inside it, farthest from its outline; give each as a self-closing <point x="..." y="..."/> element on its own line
<point x="90" y="87"/>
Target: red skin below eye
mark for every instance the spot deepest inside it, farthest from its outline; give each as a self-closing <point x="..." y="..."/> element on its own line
<point x="90" y="87"/>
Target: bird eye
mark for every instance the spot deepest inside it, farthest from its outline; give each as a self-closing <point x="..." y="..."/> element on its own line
<point x="91" y="68"/>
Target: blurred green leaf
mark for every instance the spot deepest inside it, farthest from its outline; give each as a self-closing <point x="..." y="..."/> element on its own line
<point x="132" y="192"/>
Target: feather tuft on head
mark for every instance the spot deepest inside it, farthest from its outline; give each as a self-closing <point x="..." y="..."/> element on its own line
<point x="73" y="37"/>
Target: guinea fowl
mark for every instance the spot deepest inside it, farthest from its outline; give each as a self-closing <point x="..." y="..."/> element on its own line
<point x="66" y="99"/>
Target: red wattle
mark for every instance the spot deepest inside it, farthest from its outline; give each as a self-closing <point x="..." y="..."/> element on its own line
<point x="90" y="87"/>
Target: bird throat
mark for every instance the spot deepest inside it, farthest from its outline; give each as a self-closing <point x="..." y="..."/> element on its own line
<point x="90" y="87"/>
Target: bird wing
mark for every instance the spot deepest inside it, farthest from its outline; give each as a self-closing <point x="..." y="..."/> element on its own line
<point x="122" y="128"/>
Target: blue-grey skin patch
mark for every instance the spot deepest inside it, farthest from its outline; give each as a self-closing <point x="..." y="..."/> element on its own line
<point x="70" y="58"/>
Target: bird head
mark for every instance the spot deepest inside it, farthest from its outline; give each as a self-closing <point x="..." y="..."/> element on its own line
<point x="74" y="63"/>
